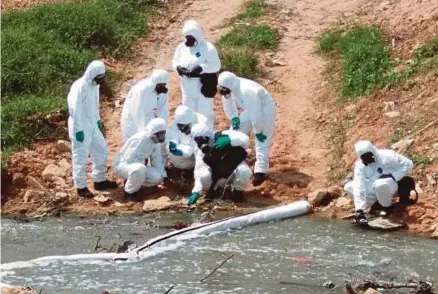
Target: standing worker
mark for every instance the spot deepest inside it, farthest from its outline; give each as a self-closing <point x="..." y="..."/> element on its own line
<point x="377" y="174"/>
<point x="85" y="130"/>
<point x="129" y="163"/>
<point x="197" y="62"/>
<point x="181" y="143"/>
<point x="258" y="115"/>
<point x="146" y="100"/>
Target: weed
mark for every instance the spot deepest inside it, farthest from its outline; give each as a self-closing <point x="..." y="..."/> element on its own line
<point x="337" y="139"/>
<point x="419" y="159"/>
<point x="331" y="42"/>
<point x="242" y="62"/>
<point x="396" y="136"/>
<point x="258" y="37"/>
<point x="254" y="9"/>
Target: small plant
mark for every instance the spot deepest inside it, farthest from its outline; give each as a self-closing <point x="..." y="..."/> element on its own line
<point x="396" y="136"/>
<point x="258" y="37"/>
<point x="242" y="62"/>
<point x="254" y="9"/>
<point x="419" y="159"/>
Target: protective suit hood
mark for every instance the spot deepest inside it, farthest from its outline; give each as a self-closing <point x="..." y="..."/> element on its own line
<point x="94" y="69"/>
<point x="154" y="126"/>
<point x="201" y="130"/>
<point x="362" y="147"/>
<point x="184" y="115"/>
<point x="191" y="27"/>
<point x="159" y="76"/>
<point x="228" y="80"/>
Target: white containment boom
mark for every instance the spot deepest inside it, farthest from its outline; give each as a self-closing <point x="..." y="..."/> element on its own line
<point x="148" y="249"/>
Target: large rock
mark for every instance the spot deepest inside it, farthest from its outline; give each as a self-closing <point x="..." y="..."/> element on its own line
<point x="392" y="114"/>
<point x="157" y="204"/>
<point x="335" y="192"/>
<point x="9" y="289"/>
<point x="64" y="146"/>
<point x="51" y="170"/>
<point x="32" y="195"/>
<point x="65" y="166"/>
<point x="19" y="180"/>
<point x="344" y="202"/>
<point x="319" y="197"/>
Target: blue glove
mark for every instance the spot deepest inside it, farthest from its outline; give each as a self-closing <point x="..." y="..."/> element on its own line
<point x="193" y="198"/>
<point x="80" y="136"/>
<point x="176" y="152"/>
<point x="172" y="146"/>
<point x="222" y="142"/>
<point x="235" y="123"/>
<point x="261" y="137"/>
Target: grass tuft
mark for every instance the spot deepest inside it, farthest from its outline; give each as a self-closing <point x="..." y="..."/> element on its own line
<point x="258" y="37"/>
<point x="242" y="62"/>
<point x="254" y="9"/>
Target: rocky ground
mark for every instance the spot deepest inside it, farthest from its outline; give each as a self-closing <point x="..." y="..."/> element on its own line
<point x="304" y="156"/>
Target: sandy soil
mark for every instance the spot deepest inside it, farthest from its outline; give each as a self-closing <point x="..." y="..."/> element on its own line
<point x="305" y="92"/>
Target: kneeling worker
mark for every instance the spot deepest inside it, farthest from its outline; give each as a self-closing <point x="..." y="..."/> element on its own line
<point x="181" y="143"/>
<point x="220" y="158"/>
<point x="129" y="163"/>
<point x="377" y="176"/>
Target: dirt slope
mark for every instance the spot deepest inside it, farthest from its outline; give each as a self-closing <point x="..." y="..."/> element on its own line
<point x="302" y="88"/>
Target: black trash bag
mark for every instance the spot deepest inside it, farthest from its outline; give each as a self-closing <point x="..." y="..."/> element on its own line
<point x="209" y="83"/>
<point x="405" y="186"/>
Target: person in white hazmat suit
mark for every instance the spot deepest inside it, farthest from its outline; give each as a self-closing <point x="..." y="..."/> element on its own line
<point x="197" y="62"/>
<point x="146" y="100"/>
<point x="181" y="143"/>
<point x="85" y="130"/>
<point x="258" y="115"/>
<point x="129" y="162"/>
<point x="376" y="173"/>
<point x="215" y="153"/>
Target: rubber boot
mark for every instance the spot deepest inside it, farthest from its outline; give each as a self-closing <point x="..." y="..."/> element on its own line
<point x="104" y="185"/>
<point x="258" y="179"/>
<point x="131" y="196"/>
<point x="84" y="192"/>
<point x="237" y="196"/>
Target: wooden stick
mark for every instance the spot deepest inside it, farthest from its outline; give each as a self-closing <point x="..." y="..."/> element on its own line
<point x="215" y="269"/>
<point x="170" y="289"/>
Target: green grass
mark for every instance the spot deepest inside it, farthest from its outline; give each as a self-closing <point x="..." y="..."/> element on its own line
<point x="254" y="9"/>
<point x="242" y="62"/>
<point x="45" y="48"/>
<point x="365" y="59"/>
<point x="258" y="37"/>
<point x="419" y="159"/>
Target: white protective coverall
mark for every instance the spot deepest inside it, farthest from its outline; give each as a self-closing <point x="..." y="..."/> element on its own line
<point x="143" y="104"/>
<point x="203" y="54"/>
<point x="185" y="143"/>
<point x="367" y="187"/>
<point x="202" y="173"/>
<point x="129" y="162"/>
<point x="258" y="115"/>
<point x="83" y="107"/>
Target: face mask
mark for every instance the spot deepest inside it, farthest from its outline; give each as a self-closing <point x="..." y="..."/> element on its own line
<point x="190" y="41"/>
<point x="368" y="158"/>
<point x="186" y="129"/>
<point x="161" y="89"/>
<point x="159" y="137"/>
<point x="225" y="92"/>
<point x="99" y="80"/>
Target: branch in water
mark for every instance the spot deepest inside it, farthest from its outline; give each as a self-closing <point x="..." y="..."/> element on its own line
<point x="214" y="270"/>
<point x="170" y="289"/>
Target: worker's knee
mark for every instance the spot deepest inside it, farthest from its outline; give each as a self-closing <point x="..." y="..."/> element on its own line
<point x="153" y="177"/>
<point x="385" y="191"/>
<point x="348" y="187"/>
<point x="243" y="172"/>
<point x="138" y="173"/>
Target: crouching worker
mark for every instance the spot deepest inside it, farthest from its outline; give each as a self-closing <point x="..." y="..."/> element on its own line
<point x="129" y="163"/>
<point x="220" y="160"/>
<point x="181" y="143"/>
<point x="379" y="175"/>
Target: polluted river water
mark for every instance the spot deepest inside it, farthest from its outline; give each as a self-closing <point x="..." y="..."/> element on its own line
<point x="291" y="256"/>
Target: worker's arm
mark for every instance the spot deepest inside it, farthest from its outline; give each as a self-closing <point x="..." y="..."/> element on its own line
<point x="213" y="63"/>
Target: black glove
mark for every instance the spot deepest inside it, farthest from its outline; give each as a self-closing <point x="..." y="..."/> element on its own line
<point x="182" y="71"/>
<point x="196" y="72"/>
<point x="360" y="218"/>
